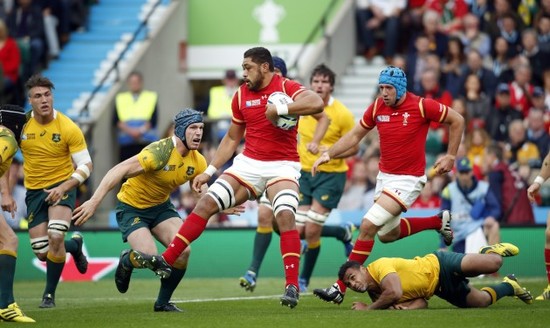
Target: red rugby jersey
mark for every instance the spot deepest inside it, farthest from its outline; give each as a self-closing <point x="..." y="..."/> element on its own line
<point x="403" y="132"/>
<point x="264" y="141"/>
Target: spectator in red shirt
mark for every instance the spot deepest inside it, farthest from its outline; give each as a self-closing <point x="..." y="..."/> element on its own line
<point x="10" y="59"/>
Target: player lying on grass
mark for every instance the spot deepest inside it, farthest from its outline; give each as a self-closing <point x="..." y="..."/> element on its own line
<point x="397" y="283"/>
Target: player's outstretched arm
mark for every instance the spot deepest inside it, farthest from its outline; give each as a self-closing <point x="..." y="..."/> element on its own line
<point x="127" y="169"/>
<point x="456" y="129"/>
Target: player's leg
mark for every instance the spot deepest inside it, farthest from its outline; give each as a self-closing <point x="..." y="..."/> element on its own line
<point x="546" y="292"/>
<point x="343" y="233"/>
<point x="313" y="228"/>
<point x="224" y="193"/>
<point x="491" y="228"/>
<point x="283" y="195"/>
<point x="9" y="310"/>
<point x="165" y="232"/>
<point x="262" y="239"/>
<point x="58" y="225"/>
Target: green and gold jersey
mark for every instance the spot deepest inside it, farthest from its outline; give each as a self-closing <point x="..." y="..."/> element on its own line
<point x="8" y="148"/>
<point x="165" y="169"/>
<point x="341" y="121"/>
<point x="47" y="150"/>
<point x="419" y="276"/>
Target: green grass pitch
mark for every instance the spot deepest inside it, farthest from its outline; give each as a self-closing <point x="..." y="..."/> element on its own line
<point x="222" y="303"/>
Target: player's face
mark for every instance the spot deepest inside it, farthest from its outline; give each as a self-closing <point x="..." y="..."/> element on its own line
<point x="388" y="93"/>
<point x="356" y="279"/>
<point x="321" y="85"/>
<point x="254" y="74"/>
<point x="193" y="135"/>
<point x="41" y="100"/>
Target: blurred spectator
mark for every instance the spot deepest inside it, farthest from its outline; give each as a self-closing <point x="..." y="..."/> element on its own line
<point x="500" y="60"/>
<point x="476" y="143"/>
<point x="536" y="132"/>
<point x="473" y="37"/>
<point x="428" y="197"/>
<point x="474" y="65"/>
<point x="10" y="61"/>
<point x="26" y="26"/>
<point x="135" y="117"/>
<point x="475" y="208"/>
<point x="539" y="60"/>
<point x="543" y="11"/>
<point x="417" y="62"/>
<point x="527" y="10"/>
<point x="453" y="64"/>
<point x="521" y="89"/>
<point x="380" y="15"/>
<point x="502" y="114"/>
<point x="519" y="151"/>
<point x="452" y="13"/>
<point x="478" y="104"/>
<point x="543" y="32"/>
<point x="505" y="22"/>
<point x="482" y="9"/>
<point x="437" y="40"/>
<point x="431" y="88"/>
<point x="509" y="188"/>
<point x="218" y="104"/>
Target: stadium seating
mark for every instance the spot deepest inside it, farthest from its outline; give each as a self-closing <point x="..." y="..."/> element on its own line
<point x="85" y="60"/>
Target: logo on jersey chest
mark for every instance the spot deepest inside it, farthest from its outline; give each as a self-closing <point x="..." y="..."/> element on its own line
<point x="169" y="168"/>
<point x="190" y="170"/>
<point x="253" y="102"/>
<point x="56" y="137"/>
<point x="387" y="118"/>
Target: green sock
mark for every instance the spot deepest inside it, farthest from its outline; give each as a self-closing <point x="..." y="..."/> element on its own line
<point x="167" y="286"/>
<point x="53" y="274"/>
<point x="71" y="246"/>
<point x="261" y="243"/>
<point x="7" y="273"/>
<point x="309" y="262"/>
<point x="335" y="231"/>
<point x="499" y="291"/>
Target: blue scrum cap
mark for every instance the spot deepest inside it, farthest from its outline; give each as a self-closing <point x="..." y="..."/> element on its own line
<point x="395" y="77"/>
<point x="183" y="119"/>
<point x="463" y="165"/>
<point x="280" y="64"/>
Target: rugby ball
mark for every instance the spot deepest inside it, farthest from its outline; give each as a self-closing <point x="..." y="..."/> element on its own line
<point x="285" y="122"/>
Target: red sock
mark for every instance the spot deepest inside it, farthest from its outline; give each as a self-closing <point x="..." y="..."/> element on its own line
<point x="360" y="253"/>
<point x="547" y="262"/>
<point x="410" y="226"/>
<point x="190" y="230"/>
<point x="290" y="250"/>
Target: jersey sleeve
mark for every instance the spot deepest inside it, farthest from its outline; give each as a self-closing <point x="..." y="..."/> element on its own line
<point x="367" y="121"/>
<point x="155" y="156"/>
<point x="381" y="268"/>
<point x="433" y="110"/>
<point x="293" y="88"/>
<point x="238" y="117"/>
<point x="76" y="141"/>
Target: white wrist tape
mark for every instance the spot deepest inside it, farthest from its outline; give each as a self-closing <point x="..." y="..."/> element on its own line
<point x="210" y="170"/>
<point x="78" y="177"/>
<point x="282" y="109"/>
<point x="540" y="180"/>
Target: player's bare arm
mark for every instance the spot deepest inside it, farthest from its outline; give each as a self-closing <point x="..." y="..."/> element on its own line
<point x="346" y="146"/>
<point x="127" y="169"/>
<point x="323" y="122"/>
<point x="8" y="203"/>
<point x="225" y="150"/>
<point x="456" y="128"/>
<point x="306" y="102"/>
<point x="391" y="292"/>
<point x="544" y="174"/>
